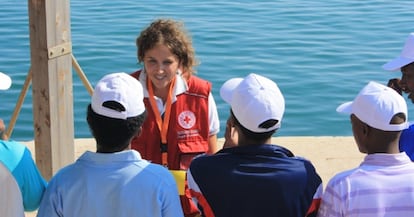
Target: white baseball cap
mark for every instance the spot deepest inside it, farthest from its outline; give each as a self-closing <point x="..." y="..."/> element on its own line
<point x="376" y="105"/>
<point x="406" y="56"/>
<point x="5" y="81"/>
<point x="254" y="100"/>
<point x="122" y="88"/>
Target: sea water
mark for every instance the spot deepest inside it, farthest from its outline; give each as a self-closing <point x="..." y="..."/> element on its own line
<point x="319" y="52"/>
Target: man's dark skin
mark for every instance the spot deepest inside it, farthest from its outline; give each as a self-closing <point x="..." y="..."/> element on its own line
<point x="406" y="83"/>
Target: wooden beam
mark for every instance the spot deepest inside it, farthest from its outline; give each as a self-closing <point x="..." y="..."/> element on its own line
<point x="50" y="46"/>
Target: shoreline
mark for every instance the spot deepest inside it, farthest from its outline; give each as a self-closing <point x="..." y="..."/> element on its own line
<point x="329" y="154"/>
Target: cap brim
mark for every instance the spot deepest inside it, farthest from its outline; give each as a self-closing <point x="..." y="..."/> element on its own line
<point x="226" y="90"/>
<point x="397" y="63"/>
<point x="5" y="81"/>
<point x="345" y="108"/>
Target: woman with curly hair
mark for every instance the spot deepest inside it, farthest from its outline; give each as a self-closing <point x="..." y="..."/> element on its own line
<point x="182" y="115"/>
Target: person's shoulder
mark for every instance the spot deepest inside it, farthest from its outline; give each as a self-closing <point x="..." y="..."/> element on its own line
<point x="13" y="148"/>
<point x="407" y="135"/>
<point x="201" y="158"/>
<point x="157" y="174"/>
<point x="410" y="126"/>
<point x="197" y="78"/>
<point x="136" y="74"/>
<point x="72" y="169"/>
<point x="282" y="149"/>
<point x="156" y="169"/>
<point x="198" y="84"/>
<point x="68" y="169"/>
<point x="207" y="161"/>
<point x="13" y="143"/>
<point x="223" y="156"/>
<point x="409" y="130"/>
<point x="342" y="177"/>
<point x="66" y="174"/>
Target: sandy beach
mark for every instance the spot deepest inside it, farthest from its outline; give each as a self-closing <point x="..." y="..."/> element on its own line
<point x="329" y="155"/>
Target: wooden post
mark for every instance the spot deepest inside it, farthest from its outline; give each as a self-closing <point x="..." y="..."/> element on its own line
<point x="50" y="45"/>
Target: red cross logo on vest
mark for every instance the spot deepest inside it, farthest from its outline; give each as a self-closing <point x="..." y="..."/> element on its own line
<point x="186" y="119"/>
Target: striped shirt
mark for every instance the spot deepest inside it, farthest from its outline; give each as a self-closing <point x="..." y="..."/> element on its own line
<point x="383" y="185"/>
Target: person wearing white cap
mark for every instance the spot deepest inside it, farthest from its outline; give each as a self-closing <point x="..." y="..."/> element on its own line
<point x="254" y="177"/>
<point x="383" y="183"/>
<point x="17" y="158"/>
<point x="114" y="181"/>
<point x="404" y="63"/>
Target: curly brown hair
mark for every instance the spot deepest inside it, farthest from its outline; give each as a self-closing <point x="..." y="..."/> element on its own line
<point x="171" y="34"/>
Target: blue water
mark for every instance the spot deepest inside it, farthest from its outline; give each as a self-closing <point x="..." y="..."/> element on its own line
<point x="321" y="53"/>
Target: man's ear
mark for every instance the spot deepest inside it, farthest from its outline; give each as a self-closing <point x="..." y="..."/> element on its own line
<point x="231" y="134"/>
<point x="366" y="129"/>
<point x="234" y="131"/>
<point x="139" y="131"/>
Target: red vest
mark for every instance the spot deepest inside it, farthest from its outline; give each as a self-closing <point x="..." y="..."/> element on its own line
<point x="188" y="127"/>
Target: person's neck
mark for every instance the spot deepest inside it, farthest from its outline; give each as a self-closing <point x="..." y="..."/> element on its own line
<point x="382" y="144"/>
<point x="391" y="149"/>
<point x="162" y="93"/>
<point x="101" y="149"/>
<point x="246" y="142"/>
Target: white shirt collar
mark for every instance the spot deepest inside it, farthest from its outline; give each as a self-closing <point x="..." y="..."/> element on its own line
<point x="180" y="85"/>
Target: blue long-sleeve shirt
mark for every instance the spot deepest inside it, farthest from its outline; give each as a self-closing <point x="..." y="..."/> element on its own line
<point x="407" y="141"/>
<point x="18" y="159"/>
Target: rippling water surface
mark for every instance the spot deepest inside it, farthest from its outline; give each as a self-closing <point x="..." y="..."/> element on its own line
<point x="320" y="53"/>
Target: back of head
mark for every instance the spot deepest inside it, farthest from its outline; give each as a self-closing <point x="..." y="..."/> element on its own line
<point x="116" y="112"/>
<point x="256" y="103"/>
<point x="406" y="57"/>
<point x="378" y="106"/>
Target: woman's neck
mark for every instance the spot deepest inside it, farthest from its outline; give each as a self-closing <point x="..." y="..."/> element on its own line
<point x="162" y="93"/>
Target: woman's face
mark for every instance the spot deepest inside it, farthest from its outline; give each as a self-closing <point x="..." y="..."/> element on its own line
<point x="161" y="66"/>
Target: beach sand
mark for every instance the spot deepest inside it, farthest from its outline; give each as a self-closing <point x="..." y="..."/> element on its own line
<point x="328" y="154"/>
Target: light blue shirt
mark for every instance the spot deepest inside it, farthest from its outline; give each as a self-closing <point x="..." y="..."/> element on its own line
<point x="18" y="159"/>
<point x="118" y="184"/>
